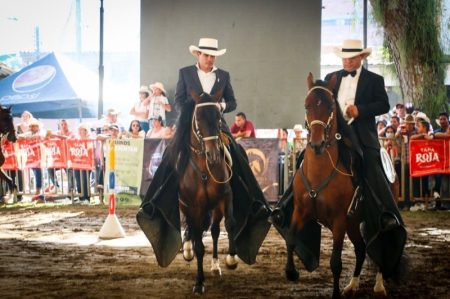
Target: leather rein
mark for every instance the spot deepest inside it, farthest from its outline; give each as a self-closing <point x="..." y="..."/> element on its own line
<point x="202" y="151"/>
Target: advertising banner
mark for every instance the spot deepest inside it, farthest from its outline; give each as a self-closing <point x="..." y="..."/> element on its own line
<point x="429" y="157"/>
<point x="128" y="170"/>
<point x="54" y="153"/>
<point x="80" y="154"/>
<point x="10" y="156"/>
<point x="29" y="155"/>
<point x="263" y="159"/>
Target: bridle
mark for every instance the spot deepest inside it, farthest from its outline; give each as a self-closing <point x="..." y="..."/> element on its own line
<point x="327" y="125"/>
<point x="327" y="128"/>
<point x="202" y="139"/>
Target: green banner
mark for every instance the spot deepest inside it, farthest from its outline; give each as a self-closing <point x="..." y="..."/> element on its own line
<point x="128" y="170"/>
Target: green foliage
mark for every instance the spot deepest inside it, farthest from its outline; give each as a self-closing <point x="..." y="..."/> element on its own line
<point x="419" y="48"/>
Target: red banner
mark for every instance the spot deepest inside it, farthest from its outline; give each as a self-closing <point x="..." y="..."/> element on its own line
<point x="429" y="157"/>
<point x="80" y="154"/>
<point x="29" y="153"/>
<point x="10" y="156"/>
<point x="55" y="153"/>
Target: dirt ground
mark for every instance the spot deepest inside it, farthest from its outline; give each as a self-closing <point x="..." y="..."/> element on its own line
<point x="54" y="252"/>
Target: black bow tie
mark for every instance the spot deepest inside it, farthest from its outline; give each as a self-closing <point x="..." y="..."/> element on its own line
<point x="346" y="73"/>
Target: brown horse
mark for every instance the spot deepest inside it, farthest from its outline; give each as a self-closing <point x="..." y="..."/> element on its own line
<point x="205" y="190"/>
<point x="323" y="188"/>
<point x="7" y="132"/>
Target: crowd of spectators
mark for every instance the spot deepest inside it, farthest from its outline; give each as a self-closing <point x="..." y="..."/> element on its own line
<point x="395" y="130"/>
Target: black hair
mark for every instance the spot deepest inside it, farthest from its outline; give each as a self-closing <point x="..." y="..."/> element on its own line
<point x="242" y="114"/>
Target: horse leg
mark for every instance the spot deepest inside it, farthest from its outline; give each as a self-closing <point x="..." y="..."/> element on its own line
<point x="355" y="237"/>
<point x="11" y="185"/>
<point x="290" y="270"/>
<point x="199" y="250"/>
<point x="215" y="231"/>
<point x="379" y="289"/>
<point x="336" y="256"/>
<point x="230" y="225"/>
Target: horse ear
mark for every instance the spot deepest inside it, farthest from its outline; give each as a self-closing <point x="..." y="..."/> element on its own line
<point x="310" y="80"/>
<point x="332" y="82"/>
<point x="195" y="96"/>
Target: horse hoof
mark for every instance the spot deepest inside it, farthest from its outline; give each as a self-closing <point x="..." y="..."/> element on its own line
<point x="216" y="273"/>
<point x="188" y="255"/>
<point x="292" y="275"/>
<point x="231" y="262"/>
<point x="198" y="289"/>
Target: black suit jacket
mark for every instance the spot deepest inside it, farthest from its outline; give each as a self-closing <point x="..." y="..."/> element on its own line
<point x="188" y="80"/>
<point x="371" y="100"/>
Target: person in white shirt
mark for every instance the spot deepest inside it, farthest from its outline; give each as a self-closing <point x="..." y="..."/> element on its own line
<point x="140" y="109"/>
<point x="158" y="103"/>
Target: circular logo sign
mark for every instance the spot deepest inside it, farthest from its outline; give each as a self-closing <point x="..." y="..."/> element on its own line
<point x="34" y="78"/>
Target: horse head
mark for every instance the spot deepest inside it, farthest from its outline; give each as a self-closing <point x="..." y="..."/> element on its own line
<point x="320" y="108"/>
<point x="206" y="124"/>
<point x="6" y="124"/>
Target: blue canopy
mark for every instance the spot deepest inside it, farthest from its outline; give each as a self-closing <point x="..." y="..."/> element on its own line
<point x="43" y="89"/>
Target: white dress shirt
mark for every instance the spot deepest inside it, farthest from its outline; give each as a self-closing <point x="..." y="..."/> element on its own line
<point x="347" y="91"/>
<point x="207" y="80"/>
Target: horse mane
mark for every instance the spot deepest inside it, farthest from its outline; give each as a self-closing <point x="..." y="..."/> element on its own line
<point x="178" y="148"/>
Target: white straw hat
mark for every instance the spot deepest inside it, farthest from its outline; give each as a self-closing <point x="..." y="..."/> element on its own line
<point x="158" y="85"/>
<point x="351" y="48"/>
<point x="208" y="46"/>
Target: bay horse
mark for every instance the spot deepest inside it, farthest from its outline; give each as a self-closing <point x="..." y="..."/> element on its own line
<point x="7" y="132"/>
<point x="204" y="188"/>
<point x="323" y="189"/>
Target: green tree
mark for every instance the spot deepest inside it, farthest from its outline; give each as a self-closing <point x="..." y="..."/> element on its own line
<point x="412" y="34"/>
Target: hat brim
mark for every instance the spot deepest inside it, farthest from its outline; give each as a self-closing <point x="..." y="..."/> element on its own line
<point x="195" y="49"/>
<point x="152" y="86"/>
<point x="339" y="53"/>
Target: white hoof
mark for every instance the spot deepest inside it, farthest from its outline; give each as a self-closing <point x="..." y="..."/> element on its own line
<point x="215" y="267"/>
<point x="231" y="262"/>
<point x="352" y="287"/>
<point x="188" y="252"/>
<point x="379" y="289"/>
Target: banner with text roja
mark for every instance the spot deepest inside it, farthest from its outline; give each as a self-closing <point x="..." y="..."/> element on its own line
<point x="80" y="154"/>
<point x="29" y="155"/>
<point x="10" y="156"/>
<point x="429" y="157"/>
<point x="54" y="153"/>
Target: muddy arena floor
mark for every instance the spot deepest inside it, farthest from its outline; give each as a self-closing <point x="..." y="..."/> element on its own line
<point x="53" y="251"/>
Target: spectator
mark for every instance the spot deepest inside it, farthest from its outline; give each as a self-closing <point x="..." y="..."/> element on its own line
<point x="400" y="110"/>
<point x="158" y="104"/>
<point x="381" y="126"/>
<point x="115" y="131"/>
<point x="24" y="125"/>
<point x="62" y="133"/>
<point x="158" y="130"/>
<point x="242" y="127"/>
<point x="283" y="144"/>
<point x="82" y="177"/>
<point x="35" y="131"/>
<point x="298" y="142"/>
<point x="135" y="130"/>
<point x="140" y="109"/>
<point x="112" y="119"/>
<point x="391" y="145"/>
<point x="441" y="181"/>
<point x="395" y="122"/>
<point x="404" y="133"/>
